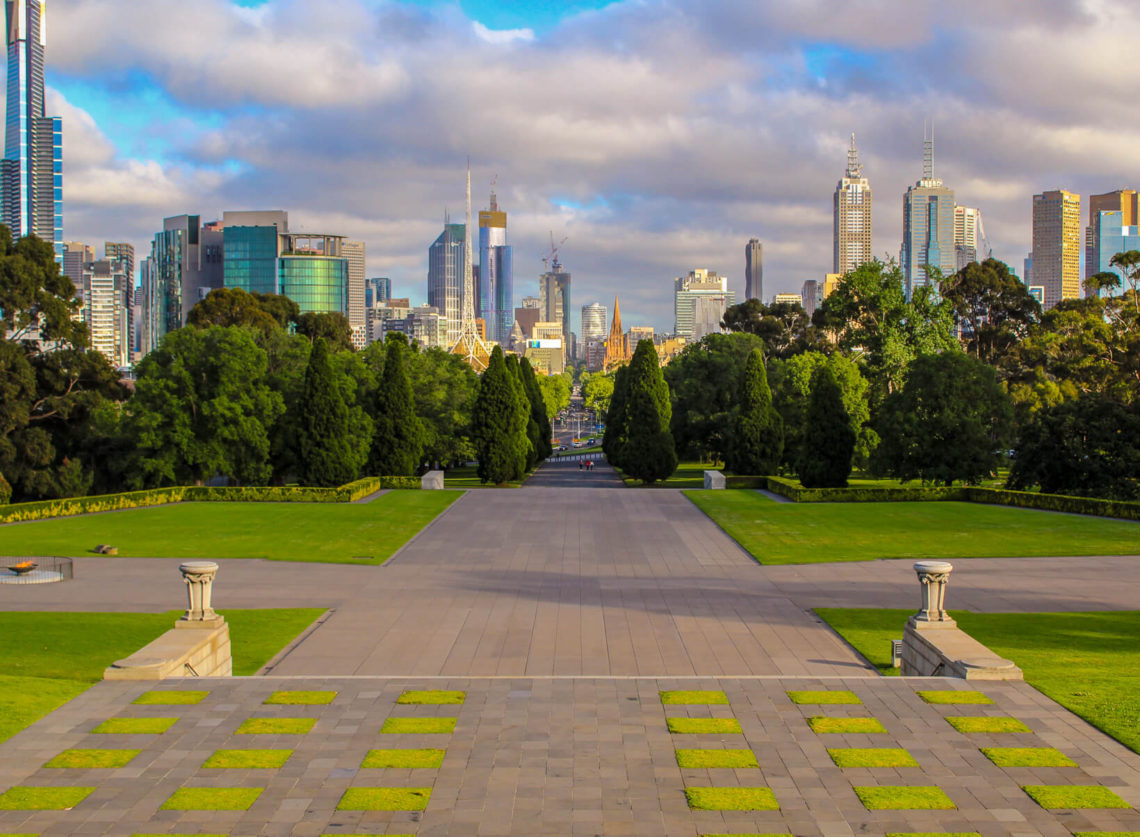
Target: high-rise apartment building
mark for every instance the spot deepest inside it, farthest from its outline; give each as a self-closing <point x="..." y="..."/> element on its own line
<point x="445" y="276"/>
<point x="354" y="253"/>
<point x="377" y="290"/>
<point x="496" y="297"/>
<point x="594" y="319"/>
<point x="754" y="270"/>
<point x="76" y="254"/>
<point x="699" y="302"/>
<point x="1057" y="245"/>
<point x="970" y="242"/>
<point x="123" y="252"/>
<point x="554" y="296"/>
<point x="180" y="274"/>
<point x="1114" y="225"/>
<point x="31" y="175"/>
<point x="106" y="309"/>
<point x="928" y="226"/>
<point x="851" y="239"/>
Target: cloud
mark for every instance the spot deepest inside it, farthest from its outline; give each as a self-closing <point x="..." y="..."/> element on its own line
<point x="501" y="36"/>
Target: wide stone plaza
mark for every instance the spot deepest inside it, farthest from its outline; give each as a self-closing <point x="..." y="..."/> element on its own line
<point x="586" y="658"/>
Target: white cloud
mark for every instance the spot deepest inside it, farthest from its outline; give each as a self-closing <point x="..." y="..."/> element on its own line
<point x="502" y="36"/>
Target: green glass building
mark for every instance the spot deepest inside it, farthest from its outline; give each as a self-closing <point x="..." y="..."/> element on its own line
<point x="317" y="284"/>
<point x="251" y="259"/>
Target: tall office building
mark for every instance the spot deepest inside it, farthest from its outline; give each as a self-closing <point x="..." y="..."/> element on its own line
<point x="1113" y="224"/>
<point x="699" y="303"/>
<point x="123" y="252"/>
<point x="445" y="277"/>
<point x="75" y="255"/>
<point x="496" y="298"/>
<point x="970" y="242"/>
<point x="178" y="272"/>
<point x="928" y="226"/>
<point x="252" y="245"/>
<point x="1057" y="245"/>
<point x="754" y="270"/>
<point x="354" y="252"/>
<point x="31" y="175"/>
<point x="377" y="290"/>
<point x="594" y="317"/>
<point x="851" y="239"/>
<point x="809" y="296"/>
<point x="106" y="309"/>
<point x="554" y="296"/>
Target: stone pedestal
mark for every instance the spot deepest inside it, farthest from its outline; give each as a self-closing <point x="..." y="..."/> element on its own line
<point x="432" y="481"/>
<point x="199" y="579"/>
<point x="714" y="479"/>
<point x="933" y="576"/>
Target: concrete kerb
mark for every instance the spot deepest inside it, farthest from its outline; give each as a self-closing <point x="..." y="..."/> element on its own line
<point x="281" y="655"/>
<point x="392" y="558"/>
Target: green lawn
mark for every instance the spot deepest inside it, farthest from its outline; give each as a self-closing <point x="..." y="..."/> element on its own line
<point x="1087" y="662"/>
<point x="341" y="533"/>
<point x="687" y="475"/>
<point x="52" y="657"/>
<point x="806" y="533"/>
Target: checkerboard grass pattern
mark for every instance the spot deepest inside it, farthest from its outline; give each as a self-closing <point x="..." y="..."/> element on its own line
<point x="247" y="759"/>
<point x="871" y="757"/>
<point x="300" y="698"/>
<point x="705" y="759"/>
<point x="824" y="697"/>
<point x="407" y="758"/>
<point x="904" y="798"/>
<point x="432" y="697"/>
<point x="1027" y="757"/>
<point x="830" y="726"/>
<point x="418" y="726"/>
<point x="276" y="726"/>
<point x="953" y="697"/>
<point x="1060" y="797"/>
<point x="693" y="697"/>
<point x="384" y="799"/>
<point x="212" y="799"/>
<point x="135" y="726"/>
<point x="165" y="697"/>
<point x="82" y="759"/>
<point x="732" y="799"/>
<point x="29" y="798"/>
<point x="986" y="724"/>
<point x="704" y="726"/>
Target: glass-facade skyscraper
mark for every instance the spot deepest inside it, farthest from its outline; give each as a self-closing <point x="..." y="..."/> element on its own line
<point x="31" y="176"/>
<point x="495" y="303"/>
<point x="928" y="227"/>
<point x="445" y="276"/>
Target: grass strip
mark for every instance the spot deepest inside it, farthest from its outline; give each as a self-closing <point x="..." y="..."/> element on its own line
<point x="704" y="726"/>
<point x="432" y="697"/>
<point x="28" y="798"/>
<point x="904" y="798"/>
<point x="135" y="726"/>
<point x="986" y="724"/>
<point x="953" y="697"/>
<point x="248" y="759"/>
<point x="704" y="759"/>
<point x="296" y="698"/>
<point x="212" y="799"/>
<point x="276" y="726"/>
<point x="693" y="697"/>
<point x="170" y="698"/>
<point x="412" y="759"/>
<point x="824" y="697"/>
<point x="871" y="757"/>
<point x="418" y="726"/>
<point x="79" y="759"/>
<point x="731" y="799"/>
<point x="1055" y="797"/>
<point x="1027" y="757"/>
<point x="384" y="799"/>
<point x="824" y="725"/>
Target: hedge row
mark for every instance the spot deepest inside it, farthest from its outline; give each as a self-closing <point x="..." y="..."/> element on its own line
<point x="43" y="509"/>
<point x="798" y="494"/>
<point x="1054" y="502"/>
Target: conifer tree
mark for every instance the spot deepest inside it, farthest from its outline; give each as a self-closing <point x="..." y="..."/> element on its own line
<point x="829" y="441"/>
<point x="499" y="425"/>
<point x="537" y="409"/>
<point x="613" y="440"/>
<point x="534" y="443"/>
<point x="758" y="432"/>
<point x="325" y="456"/>
<point x="398" y="437"/>
<point x="648" y="453"/>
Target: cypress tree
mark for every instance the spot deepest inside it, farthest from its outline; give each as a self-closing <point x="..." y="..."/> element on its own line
<point x="324" y="454"/>
<point x="498" y="424"/>
<point x="398" y="437"/>
<point x="829" y="441"/>
<point x="534" y="444"/>
<point x="537" y="409"/>
<point x="613" y="440"/>
<point x="758" y="432"/>
<point x="648" y="453"/>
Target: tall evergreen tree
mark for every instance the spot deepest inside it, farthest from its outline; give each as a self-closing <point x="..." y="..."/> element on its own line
<point x="648" y="453"/>
<point x="534" y="443"/>
<point x="324" y="453"/>
<point x="613" y="440"/>
<point x="537" y="409"/>
<point x="398" y="437"/>
<point x="829" y="440"/>
<point x="499" y="424"/>
<point x="758" y="437"/>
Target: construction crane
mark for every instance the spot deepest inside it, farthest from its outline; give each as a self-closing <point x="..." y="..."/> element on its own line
<point x="552" y="259"/>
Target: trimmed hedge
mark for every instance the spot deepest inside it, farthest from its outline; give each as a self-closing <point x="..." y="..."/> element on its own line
<point x="798" y="494"/>
<point x="1054" y="502"/>
<point x="734" y="481"/>
<point x="22" y="512"/>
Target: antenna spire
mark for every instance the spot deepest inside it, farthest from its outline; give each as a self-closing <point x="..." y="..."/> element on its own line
<point x="928" y="150"/>
<point x="854" y="169"/>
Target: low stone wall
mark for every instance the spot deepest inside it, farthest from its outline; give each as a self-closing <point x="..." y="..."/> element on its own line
<point x="944" y="650"/>
<point x="186" y="650"/>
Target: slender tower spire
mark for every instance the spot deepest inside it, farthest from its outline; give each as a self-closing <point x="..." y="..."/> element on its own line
<point x="928" y="151"/>
<point x="470" y="345"/>
<point x="854" y="167"/>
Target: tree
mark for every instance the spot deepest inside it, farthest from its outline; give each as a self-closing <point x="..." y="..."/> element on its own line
<point x="445" y="387"/>
<point x="758" y="438"/>
<point x="597" y="392"/>
<point x="203" y="408"/>
<point x="1089" y="446"/>
<point x="993" y="306"/>
<point x="333" y="327"/>
<point x="784" y="327"/>
<point x="234" y="307"/>
<point x="499" y="423"/>
<point x="648" y="453"/>
<point x="555" y="393"/>
<point x="326" y="458"/>
<point x="829" y="440"/>
<point x="1129" y="266"/>
<point x="949" y="422"/>
<point x="398" y="436"/>
<point x="614" y="438"/>
<point x="532" y="432"/>
<point x="539" y="410"/>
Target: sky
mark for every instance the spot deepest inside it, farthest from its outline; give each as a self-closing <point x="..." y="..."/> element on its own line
<point x="654" y="136"/>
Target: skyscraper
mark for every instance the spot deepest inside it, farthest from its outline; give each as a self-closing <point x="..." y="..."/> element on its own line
<point x="852" y="227"/>
<point x="554" y="294"/>
<point x="754" y="270"/>
<point x="1112" y="229"/>
<point x="31" y="175"/>
<point x="594" y="318"/>
<point x="970" y="243"/>
<point x="123" y="252"/>
<point x="354" y="252"/>
<point x="445" y="276"/>
<point x="76" y="254"/>
<point x="1057" y="245"/>
<point x="106" y="310"/>
<point x="699" y="303"/>
<point x="928" y="226"/>
<point x="496" y="301"/>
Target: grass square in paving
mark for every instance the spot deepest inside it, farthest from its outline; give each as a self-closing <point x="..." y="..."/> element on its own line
<point x="702" y="759"/>
<point x="436" y="697"/>
<point x="25" y="798"/>
<point x="871" y="757"/>
<point x="732" y="799"/>
<point x="300" y="698"/>
<point x="276" y="726"/>
<point x="704" y="726"/>
<point x="976" y="723"/>
<point x="904" y="798"/>
<point x="824" y="725"/>
<point x="384" y="799"/>
<point x="135" y="726"/>
<point x="92" y="758"/>
<point x="170" y="698"/>
<point x="1027" y="757"/>
<point x="1054" y="797"/>
<point x="823" y="697"/>
<point x="953" y="697"/>
<point x="212" y="799"/>
<point x="420" y="726"/>
<point x="693" y="697"/>
<point x="408" y="758"/>
<point x="248" y="759"/>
